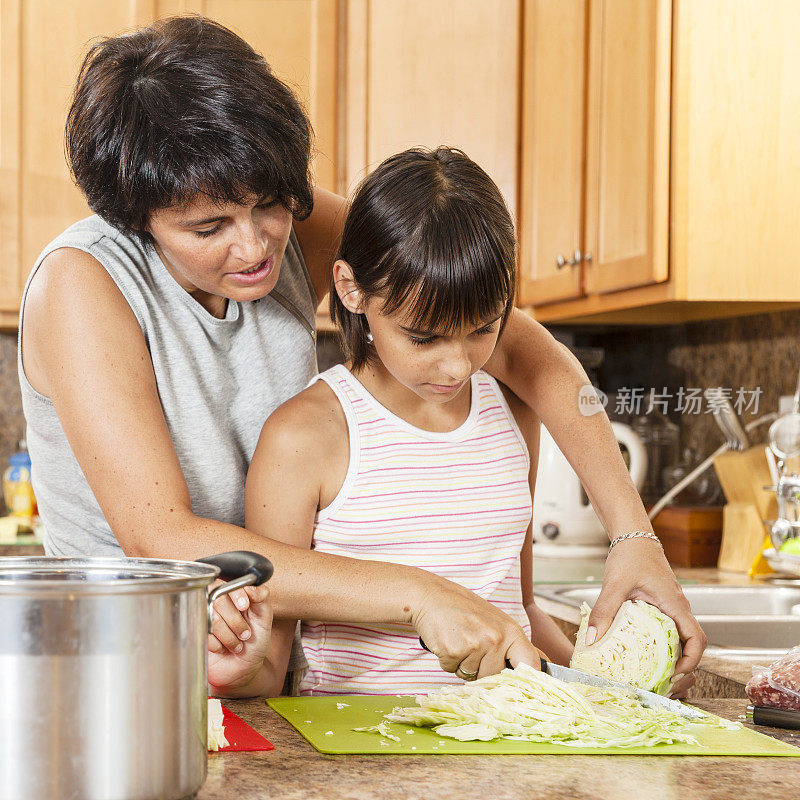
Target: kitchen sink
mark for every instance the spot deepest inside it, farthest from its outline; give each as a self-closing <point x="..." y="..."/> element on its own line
<point x="705" y="600"/>
<point x="748" y="622"/>
<point x="759" y="633"/>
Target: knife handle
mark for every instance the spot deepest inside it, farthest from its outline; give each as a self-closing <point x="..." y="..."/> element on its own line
<point x="773" y="717"/>
<point x="543" y="666"/>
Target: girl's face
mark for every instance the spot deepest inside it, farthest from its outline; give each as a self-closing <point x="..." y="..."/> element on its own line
<point x="223" y="252"/>
<point x="434" y="365"/>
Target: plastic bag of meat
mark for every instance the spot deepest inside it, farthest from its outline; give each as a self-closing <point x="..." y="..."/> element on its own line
<point x="778" y="685"/>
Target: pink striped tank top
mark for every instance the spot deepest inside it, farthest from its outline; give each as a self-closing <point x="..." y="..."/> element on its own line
<point x="455" y="503"/>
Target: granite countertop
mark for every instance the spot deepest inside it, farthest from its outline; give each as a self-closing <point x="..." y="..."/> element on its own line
<point x="296" y="770"/>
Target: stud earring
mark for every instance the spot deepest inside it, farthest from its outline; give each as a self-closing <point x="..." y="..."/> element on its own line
<point x="369" y="337"/>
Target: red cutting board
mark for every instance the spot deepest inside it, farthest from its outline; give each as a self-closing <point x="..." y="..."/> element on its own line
<point x="240" y="735"/>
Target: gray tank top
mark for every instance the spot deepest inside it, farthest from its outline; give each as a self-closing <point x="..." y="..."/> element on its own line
<point x="218" y="380"/>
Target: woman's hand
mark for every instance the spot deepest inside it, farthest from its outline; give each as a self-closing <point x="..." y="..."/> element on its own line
<point x="637" y="569"/>
<point x="466" y="631"/>
<point x="229" y="670"/>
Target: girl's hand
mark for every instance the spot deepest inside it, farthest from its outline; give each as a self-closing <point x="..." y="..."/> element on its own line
<point x="230" y="626"/>
<point x="232" y="670"/>
<point x="466" y="631"/>
<point x="637" y="569"/>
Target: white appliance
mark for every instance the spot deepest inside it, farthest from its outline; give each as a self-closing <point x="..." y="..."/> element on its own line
<point x="564" y="522"/>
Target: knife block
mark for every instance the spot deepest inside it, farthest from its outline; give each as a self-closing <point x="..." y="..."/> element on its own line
<point x="691" y="535"/>
<point x="743" y="476"/>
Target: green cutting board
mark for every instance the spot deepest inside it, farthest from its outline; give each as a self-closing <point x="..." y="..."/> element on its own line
<point x="327" y="723"/>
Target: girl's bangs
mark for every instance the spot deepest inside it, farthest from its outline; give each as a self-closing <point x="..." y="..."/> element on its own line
<point x="446" y="282"/>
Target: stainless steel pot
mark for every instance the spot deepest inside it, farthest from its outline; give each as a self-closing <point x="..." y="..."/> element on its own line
<point x="103" y="674"/>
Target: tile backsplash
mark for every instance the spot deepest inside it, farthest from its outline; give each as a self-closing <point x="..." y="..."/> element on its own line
<point x="755" y="355"/>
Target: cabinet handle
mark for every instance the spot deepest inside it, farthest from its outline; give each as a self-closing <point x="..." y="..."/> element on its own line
<point x="587" y="257"/>
<point x="576" y="259"/>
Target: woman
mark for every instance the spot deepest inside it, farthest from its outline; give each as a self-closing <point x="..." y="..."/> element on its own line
<point x="157" y="336"/>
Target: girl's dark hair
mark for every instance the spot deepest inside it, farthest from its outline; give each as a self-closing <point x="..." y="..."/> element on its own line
<point x="429" y="228"/>
<point x="181" y="108"/>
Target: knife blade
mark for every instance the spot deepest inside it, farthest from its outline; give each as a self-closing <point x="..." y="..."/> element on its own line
<point x="647" y="699"/>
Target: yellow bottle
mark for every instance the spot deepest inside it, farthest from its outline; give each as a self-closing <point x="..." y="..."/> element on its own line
<point x="17" y="488"/>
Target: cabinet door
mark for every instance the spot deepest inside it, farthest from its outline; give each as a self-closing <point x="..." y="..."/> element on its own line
<point x="298" y="38"/>
<point x="430" y="73"/>
<point x="551" y="188"/>
<point x="627" y="158"/>
<point x="40" y="52"/>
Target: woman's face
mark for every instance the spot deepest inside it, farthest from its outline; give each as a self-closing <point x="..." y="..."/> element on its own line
<point x="218" y="252"/>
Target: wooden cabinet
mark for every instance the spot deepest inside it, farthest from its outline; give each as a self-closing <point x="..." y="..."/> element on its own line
<point x="691" y="177"/>
<point x="595" y="174"/>
<point x="40" y="52"/>
<point x="41" y="46"/>
<point x="627" y="144"/>
<point x="430" y="73"/>
<point x="553" y="128"/>
<point x="647" y="148"/>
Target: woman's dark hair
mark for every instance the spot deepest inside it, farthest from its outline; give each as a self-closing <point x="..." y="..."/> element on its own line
<point x="181" y="108"/>
<point x="427" y="227"/>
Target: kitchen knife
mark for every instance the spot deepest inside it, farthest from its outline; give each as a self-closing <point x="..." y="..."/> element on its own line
<point x="647" y="699"/>
<point x="773" y="717"/>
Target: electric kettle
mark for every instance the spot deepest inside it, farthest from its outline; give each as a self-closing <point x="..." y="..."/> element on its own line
<point x="564" y="522"/>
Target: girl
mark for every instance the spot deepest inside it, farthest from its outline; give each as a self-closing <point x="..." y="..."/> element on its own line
<point x="411" y="453"/>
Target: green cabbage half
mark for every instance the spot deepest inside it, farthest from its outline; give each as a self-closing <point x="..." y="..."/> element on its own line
<point x="641" y="648"/>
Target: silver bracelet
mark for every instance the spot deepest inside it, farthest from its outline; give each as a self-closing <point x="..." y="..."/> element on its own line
<point x="635" y="535"/>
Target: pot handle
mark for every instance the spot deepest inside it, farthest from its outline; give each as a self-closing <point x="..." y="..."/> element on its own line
<point x="239" y="568"/>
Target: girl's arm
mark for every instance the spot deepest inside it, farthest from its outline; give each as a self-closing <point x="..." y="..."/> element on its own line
<point x="547" y="378"/>
<point x="545" y="633"/>
<point x="302" y="451"/>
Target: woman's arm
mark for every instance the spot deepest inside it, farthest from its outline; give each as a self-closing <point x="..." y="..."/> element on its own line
<point x="319" y="236"/>
<point x="547" y="378"/>
<point x="83" y="348"/>
<point x="545" y="633"/>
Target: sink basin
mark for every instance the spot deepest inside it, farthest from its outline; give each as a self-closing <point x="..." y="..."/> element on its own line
<point x="705" y="600"/>
<point x="759" y="633"/>
<point x="752" y="622"/>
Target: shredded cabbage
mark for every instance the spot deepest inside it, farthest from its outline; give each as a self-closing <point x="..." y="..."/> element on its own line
<point x="527" y="705"/>
<point x="641" y="648"/>
<point x="216" y="729"/>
